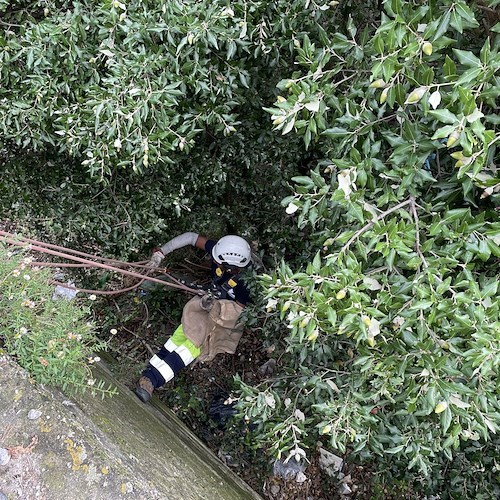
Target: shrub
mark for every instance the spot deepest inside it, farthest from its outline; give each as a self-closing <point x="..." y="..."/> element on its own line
<point x="51" y="339"/>
<point x="391" y="347"/>
<point x="132" y="84"/>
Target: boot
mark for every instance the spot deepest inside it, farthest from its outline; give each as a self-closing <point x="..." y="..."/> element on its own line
<point x="144" y="389"/>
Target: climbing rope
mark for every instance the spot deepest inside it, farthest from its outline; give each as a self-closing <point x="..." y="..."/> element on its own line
<point x="85" y="260"/>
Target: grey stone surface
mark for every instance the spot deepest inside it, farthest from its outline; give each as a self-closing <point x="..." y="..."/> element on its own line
<point x="288" y="470"/>
<point x="4" y="456"/>
<point x="330" y="463"/>
<point x="102" y="449"/>
<point x="345" y="489"/>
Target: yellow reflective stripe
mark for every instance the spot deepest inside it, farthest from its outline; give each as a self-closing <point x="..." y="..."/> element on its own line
<point x="178" y="338"/>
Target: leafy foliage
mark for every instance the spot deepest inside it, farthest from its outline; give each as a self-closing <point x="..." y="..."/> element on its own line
<point x="393" y="327"/>
<point x="50" y="338"/>
<point x="91" y="81"/>
<point x="385" y="312"/>
<point x="131" y="214"/>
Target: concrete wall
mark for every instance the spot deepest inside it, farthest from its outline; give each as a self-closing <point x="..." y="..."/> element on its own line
<point x="89" y="448"/>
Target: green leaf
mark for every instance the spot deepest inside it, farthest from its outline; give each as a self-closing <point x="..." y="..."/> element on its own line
<point x="356" y="211"/>
<point x="243" y="79"/>
<point x="484" y="252"/>
<point x="465" y="12"/>
<point x="409" y="338"/>
<point x="231" y="49"/>
<point x="421" y="305"/>
<point x="490" y="290"/>
<point x="427" y="76"/>
<point x="469" y="76"/>
<point x="307" y="137"/>
<point x="212" y="40"/>
<point x="396" y="449"/>
<point x="378" y="43"/>
<point x="446" y="417"/>
<point x="317" y="262"/>
<point x="303" y="181"/>
<point x="332" y="316"/>
<point x="336" y="132"/>
<point x="340" y="42"/>
<point x="444" y="23"/>
<point x="456" y="21"/>
<point x="449" y="67"/>
<point x="467" y="58"/>
<point x="456" y="214"/>
<point x="444" y="115"/>
<point x="485" y="53"/>
<point x="467" y="99"/>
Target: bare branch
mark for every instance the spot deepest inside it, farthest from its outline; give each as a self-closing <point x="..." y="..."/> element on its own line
<point x="372" y="222"/>
<point x="417" y="231"/>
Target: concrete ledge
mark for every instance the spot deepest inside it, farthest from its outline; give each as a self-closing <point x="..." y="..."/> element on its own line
<point x="86" y="447"/>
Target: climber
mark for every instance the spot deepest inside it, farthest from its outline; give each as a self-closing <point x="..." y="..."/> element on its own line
<point x="209" y="323"/>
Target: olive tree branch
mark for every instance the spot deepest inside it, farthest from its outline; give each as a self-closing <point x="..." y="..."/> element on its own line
<point x="417" y="231"/>
<point x="372" y="222"/>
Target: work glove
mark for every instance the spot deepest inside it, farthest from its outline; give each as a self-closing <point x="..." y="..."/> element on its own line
<point x="155" y="260"/>
<point x="207" y="302"/>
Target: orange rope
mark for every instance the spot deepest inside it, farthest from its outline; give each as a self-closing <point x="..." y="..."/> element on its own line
<point x="69" y="250"/>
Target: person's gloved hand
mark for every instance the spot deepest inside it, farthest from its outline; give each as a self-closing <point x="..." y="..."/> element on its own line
<point x="155" y="260"/>
<point x="207" y="302"/>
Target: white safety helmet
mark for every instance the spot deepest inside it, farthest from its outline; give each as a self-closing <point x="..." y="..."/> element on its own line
<point x="231" y="251"/>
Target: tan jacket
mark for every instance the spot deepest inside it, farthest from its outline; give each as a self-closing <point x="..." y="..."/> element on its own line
<point x="215" y="331"/>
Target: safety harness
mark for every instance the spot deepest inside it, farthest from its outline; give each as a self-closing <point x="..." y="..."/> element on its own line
<point x="223" y="286"/>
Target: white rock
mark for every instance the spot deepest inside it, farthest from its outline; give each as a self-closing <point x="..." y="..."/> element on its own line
<point x="34" y="414"/>
<point x="300" y="477"/>
<point x="344" y="489"/>
<point x="4" y="456"/>
<point x="61" y="292"/>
